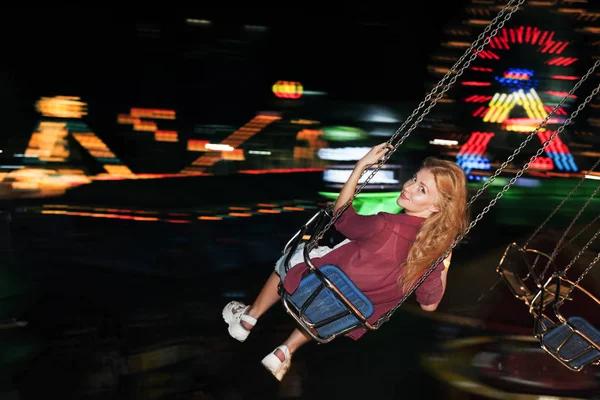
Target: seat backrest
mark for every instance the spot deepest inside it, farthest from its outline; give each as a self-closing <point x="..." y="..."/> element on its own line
<point x="516" y="284"/>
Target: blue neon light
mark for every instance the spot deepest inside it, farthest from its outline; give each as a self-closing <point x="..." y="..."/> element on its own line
<point x="469" y="162"/>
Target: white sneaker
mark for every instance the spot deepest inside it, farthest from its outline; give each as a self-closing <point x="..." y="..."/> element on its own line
<point x="233" y="314"/>
<point x="277" y="367"/>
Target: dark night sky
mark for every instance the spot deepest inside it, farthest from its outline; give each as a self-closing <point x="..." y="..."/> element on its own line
<point x="95" y="53"/>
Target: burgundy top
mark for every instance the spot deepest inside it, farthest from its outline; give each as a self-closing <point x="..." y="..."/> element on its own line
<point x="378" y="245"/>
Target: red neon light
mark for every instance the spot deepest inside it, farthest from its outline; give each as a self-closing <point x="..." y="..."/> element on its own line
<point x="279" y="171"/>
<point x="474" y="83"/>
<point x="526" y="34"/>
<point x="477" y="143"/>
<point x="565" y="77"/>
<point x="487" y="54"/>
<point x="480" y="111"/>
<point x="554" y="47"/>
<point x="287" y="89"/>
<point x="561" y="94"/>
<point x="528" y="121"/>
<point x="559" y="111"/>
<point x="556" y="145"/>
<point x="544" y="163"/>
<point x="482" y="69"/>
<point x="561" y="61"/>
<point x="560" y="50"/>
<point x="535" y="35"/>
<point x="478" y="98"/>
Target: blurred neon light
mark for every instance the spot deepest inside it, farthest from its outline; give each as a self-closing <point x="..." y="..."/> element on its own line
<point x="476" y="144"/>
<point x="565" y="77"/>
<point x="288" y="89"/>
<point x="444" y="142"/>
<point x="502" y="104"/>
<point x="477" y="99"/>
<point x="341" y="176"/>
<point x="152" y="113"/>
<point x="61" y="107"/>
<point x="218" y="147"/>
<point x="314" y="140"/>
<point x="343" y="153"/>
<point x="561" y="94"/>
<point x="343" y="133"/>
<point x="165" y="136"/>
<point x="532" y="35"/>
<point x="279" y="171"/>
<point x="475" y="83"/>
<point x="543" y="163"/>
<point x="558" y="152"/>
<point x="234" y="140"/>
<point x="470" y="155"/>
<point x="49" y="142"/>
<point x="488" y="54"/>
<point x="517" y="78"/>
<point x="473" y="161"/>
<point x="561" y="61"/>
<point x="518" y="74"/>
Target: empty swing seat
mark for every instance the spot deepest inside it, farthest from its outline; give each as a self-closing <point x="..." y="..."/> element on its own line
<point x="575" y="343"/>
<point x="320" y="311"/>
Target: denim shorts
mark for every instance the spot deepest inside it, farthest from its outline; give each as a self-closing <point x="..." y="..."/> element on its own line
<point x="298" y="257"/>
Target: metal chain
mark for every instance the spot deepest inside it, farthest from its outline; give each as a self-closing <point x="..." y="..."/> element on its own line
<point x="560" y="241"/>
<point x="438" y="97"/>
<point x="453" y="80"/>
<point x="588" y="269"/>
<point x="486" y="209"/>
<point x="530" y="136"/>
<point x="560" y="205"/>
<point x="541" y="149"/>
<point x="563" y="273"/>
<point x="585" y="228"/>
<point x="457" y="64"/>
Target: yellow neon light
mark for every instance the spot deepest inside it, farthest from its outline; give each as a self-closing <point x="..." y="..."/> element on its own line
<point x="61" y="107"/>
<point x="502" y="104"/>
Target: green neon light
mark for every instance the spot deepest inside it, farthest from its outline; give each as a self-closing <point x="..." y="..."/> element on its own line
<point x="371" y="203"/>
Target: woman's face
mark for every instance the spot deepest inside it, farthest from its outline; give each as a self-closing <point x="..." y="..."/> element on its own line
<point x="419" y="195"/>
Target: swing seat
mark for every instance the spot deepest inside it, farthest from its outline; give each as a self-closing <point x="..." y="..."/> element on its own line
<point x="522" y="292"/>
<point x="526" y="288"/>
<point x="517" y="286"/>
<point x="518" y="272"/>
<point x="319" y="310"/>
<point x="575" y="343"/>
<point x="549" y="295"/>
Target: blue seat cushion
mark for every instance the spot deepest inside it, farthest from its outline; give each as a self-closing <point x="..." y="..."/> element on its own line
<point x="326" y="305"/>
<point x="576" y="344"/>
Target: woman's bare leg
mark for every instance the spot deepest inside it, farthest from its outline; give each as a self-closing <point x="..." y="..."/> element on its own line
<point x="293" y="343"/>
<point x="265" y="299"/>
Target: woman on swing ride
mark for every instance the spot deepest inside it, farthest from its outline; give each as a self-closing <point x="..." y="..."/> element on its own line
<point x="384" y="254"/>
